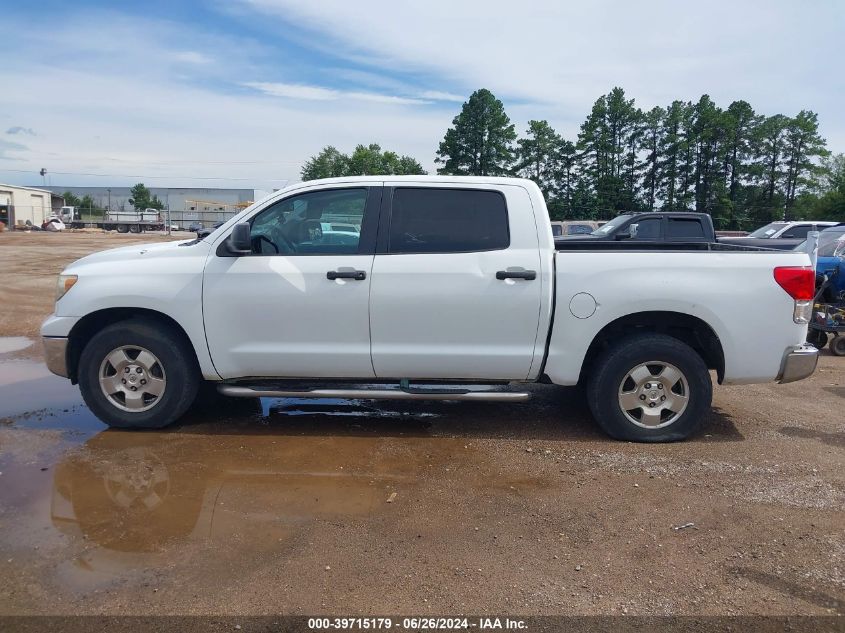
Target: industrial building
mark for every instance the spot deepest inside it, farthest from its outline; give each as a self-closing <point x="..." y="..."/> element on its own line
<point x="19" y="205"/>
<point x="186" y="205"/>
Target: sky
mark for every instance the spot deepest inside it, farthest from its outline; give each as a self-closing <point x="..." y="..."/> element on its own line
<point x="239" y="93"/>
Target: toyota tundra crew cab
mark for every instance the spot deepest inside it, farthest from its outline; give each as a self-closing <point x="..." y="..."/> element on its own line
<point x="451" y="289"/>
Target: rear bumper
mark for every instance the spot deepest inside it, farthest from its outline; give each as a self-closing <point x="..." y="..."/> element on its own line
<point x="798" y="363"/>
<point x="55" y="354"/>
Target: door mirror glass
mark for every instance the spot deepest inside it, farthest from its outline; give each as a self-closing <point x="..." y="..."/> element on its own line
<point x="239" y="242"/>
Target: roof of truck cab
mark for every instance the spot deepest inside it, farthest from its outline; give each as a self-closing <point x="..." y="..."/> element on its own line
<point x="482" y="180"/>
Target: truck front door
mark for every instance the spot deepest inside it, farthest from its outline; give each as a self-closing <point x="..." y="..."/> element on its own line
<point x="298" y="306"/>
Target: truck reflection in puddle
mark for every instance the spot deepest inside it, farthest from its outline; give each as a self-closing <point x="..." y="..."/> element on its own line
<point x="145" y="498"/>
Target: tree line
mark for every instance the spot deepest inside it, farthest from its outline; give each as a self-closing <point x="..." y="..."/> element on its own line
<point x="743" y="168"/>
<point x="141" y="198"/>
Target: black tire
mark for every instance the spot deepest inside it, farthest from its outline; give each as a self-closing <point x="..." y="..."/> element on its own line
<point x="122" y="228"/>
<point x="610" y="373"/>
<point x="837" y="345"/>
<point x="134" y="228"/>
<point x="817" y="338"/>
<point x="176" y="359"/>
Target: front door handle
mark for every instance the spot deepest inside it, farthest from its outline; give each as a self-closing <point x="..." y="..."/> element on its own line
<point x="357" y="275"/>
<point x="517" y="274"/>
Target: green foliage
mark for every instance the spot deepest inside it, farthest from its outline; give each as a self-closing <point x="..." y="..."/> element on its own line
<point x="366" y="160"/>
<point x="86" y="202"/>
<point x="827" y="202"/>
<point x="742" y="168"/>
<point x="142" y="199"/>
<point x="480" y="141"/>
<point x="71" y="199"/>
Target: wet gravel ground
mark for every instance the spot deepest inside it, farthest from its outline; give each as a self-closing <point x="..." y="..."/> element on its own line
<point x="355" y="507"/>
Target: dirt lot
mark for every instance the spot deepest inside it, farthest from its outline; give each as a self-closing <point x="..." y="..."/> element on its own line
<point x="350" y="507"/>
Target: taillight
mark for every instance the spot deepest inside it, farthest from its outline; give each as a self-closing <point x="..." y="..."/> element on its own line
<point x="800" y="284"/>
<point x="798" y="281"/>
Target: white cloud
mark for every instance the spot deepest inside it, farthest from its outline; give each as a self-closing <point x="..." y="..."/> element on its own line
<point x="318" y="93"/>
<point x="135" y="113"/>
<point x="143" y="102"/>
<point x="294" y="91"/>
<point x="558" y="57"/>
<point x="437" y="95"/>
<point x="192" y="57"/>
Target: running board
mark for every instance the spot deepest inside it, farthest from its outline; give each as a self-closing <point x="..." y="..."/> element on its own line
<point x="235" y="391"/>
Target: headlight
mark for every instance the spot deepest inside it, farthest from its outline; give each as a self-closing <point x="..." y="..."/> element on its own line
<point x="64" y="283"/>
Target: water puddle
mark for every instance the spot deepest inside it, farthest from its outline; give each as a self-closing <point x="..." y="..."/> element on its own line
<point x="102" y="504"/>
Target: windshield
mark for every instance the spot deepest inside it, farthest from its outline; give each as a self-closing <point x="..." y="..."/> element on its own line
<point x="832" y="244"/>
<point x="768" y="230"/>
<point x="611" y="226"/>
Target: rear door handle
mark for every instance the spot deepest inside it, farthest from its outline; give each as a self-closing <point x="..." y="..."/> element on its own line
<point x="517" y="274"/>
<point x="357" y="275"/>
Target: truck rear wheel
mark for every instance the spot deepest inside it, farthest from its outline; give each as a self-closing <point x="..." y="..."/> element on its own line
<point x="650" y="388"/>
<point x="138" y="374"/>
<point x="122" y="228"/>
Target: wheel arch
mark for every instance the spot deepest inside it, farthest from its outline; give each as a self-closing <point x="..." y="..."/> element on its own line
<point x="693" y="331"/>
<point x="92" y="323"/>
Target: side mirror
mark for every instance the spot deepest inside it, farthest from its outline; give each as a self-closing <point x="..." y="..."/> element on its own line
<point x="239" y="242"/>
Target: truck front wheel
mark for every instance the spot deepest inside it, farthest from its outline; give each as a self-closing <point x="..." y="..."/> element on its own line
<point x="138" y="374"/>
<point x="650" y="388"/>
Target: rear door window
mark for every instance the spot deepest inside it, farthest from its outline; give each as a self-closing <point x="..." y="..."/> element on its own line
<point x="684" y="228"/>
<point x="799" y="231"/>
<point x="430" y="220"/>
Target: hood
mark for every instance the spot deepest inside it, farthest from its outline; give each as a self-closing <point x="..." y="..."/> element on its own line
<point x="140" y="252"/>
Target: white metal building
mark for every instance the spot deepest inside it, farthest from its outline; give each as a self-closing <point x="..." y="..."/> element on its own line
<point x="19" y="204"/>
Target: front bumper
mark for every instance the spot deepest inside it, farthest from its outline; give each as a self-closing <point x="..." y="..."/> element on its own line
<point x="55" y="354"/>
<point x="798" y="363"/>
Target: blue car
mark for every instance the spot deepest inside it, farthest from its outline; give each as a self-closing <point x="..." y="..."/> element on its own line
<point x="831" y="262"/>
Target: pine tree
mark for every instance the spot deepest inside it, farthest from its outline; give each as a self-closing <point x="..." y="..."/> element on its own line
<point x="480" y="141"/>
<point x="803" y="144"/>
<point x="650" y="142"/>
<point x="537" y="155"/>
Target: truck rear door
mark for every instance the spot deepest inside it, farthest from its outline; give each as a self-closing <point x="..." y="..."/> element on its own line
<point x="456" y="287"/>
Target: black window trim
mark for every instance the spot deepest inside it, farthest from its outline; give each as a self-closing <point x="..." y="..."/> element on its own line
<point x="383" y="240"/>
<point x="369" y="222"/>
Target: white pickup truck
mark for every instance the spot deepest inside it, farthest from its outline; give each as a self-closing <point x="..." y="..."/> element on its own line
<point x="452" y="290"/>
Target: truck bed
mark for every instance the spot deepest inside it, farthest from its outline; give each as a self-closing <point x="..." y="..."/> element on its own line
<point x="629" y="245"/>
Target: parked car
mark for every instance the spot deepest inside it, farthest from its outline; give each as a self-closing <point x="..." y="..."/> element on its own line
<point x="340" y="226"/>
<point x="53" y="224"/>
<point x="203" y="233"/>
<point x="574" y="227"/>
<point x="195" y="227"/>
<point x="666" y="228"/>
<point x="648" y="227"/>
<point x="453" y="291"/>
<point x="788" y="230"/>
<point x="831" y="262"/>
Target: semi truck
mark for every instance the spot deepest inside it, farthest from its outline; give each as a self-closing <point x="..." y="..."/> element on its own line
<point x="120" y="221"/>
